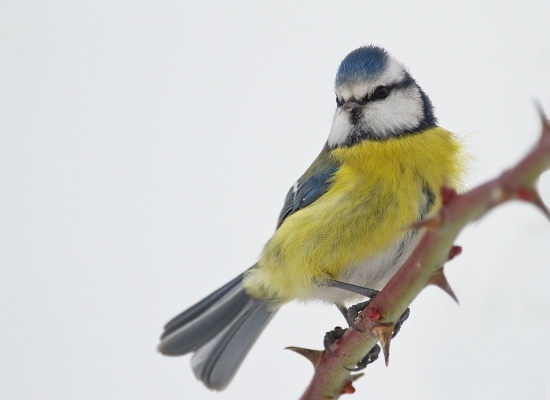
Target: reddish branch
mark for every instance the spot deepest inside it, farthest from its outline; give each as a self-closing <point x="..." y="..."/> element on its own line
<point x="424" y="267"/>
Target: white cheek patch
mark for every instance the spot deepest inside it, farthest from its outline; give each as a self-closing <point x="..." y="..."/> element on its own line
<point x="402" y="110"/>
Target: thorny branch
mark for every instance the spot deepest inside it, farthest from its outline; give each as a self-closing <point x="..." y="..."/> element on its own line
<point x="424" y="267"/>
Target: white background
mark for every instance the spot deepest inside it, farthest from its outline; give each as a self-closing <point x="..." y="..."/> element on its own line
<point x="145" y="151"/>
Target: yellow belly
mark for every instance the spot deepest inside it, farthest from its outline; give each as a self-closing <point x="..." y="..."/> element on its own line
<point x="377" y="192"/>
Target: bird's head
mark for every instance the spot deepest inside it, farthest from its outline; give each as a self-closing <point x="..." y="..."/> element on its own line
<point x="376" y="99"/>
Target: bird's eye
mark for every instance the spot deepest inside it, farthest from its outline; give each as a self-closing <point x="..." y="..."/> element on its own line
<point x="339" y="101"/>
<point x="381" y="92"/>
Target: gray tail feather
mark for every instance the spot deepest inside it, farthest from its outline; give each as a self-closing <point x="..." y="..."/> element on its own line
<point x="220" y="330"/>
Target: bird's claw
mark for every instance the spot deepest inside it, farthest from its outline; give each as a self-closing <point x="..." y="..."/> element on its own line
<point x="400" y="321"/>
<point x="331" y="337"/>
<point x="371" y="357"/>
<point x="353" y="313"/>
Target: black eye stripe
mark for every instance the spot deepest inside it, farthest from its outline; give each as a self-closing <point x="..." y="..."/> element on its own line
<point x="407" y="82"/>
<point x="379" y="93"/>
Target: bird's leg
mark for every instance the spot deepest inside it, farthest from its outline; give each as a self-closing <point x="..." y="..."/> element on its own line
<point x="351" y="314"/>
<point x="363" y="291"/>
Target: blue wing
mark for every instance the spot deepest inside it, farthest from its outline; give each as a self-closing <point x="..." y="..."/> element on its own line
<point x="311" y="185"/>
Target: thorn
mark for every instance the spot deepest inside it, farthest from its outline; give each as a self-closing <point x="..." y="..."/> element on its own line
<point x="447" y="194"/>
<point x="544" y="119"/>
<point x="541" y="206"/>
<point x="312" y="355"/>
<point x="532" y="196"/>
<point x="384" y="333"/>
<point x="439" y="280"/>
<point x="455" y="251"/>
<point x="348" y="386"/>
<point x="353" y="378"/>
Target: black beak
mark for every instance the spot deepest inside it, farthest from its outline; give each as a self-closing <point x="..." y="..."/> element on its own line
<point x="355" y="110"/>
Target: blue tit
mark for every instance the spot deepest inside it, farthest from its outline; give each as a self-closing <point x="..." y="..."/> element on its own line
<point x="343" y="223"/>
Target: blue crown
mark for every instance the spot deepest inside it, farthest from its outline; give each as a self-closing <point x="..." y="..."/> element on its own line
<point x="362" y="63"/>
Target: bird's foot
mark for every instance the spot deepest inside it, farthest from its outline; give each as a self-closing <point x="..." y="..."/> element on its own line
<point x="353" y="314"/>
<point x="400" y="321"/>
<point x="331" y="337"/>
<point x="371" y="357"/>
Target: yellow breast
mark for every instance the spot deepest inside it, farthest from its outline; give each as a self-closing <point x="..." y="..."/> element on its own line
<point x="379" y="189"/>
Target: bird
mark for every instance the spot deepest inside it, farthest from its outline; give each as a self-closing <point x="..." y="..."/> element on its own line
<point x="347" y="223"/>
